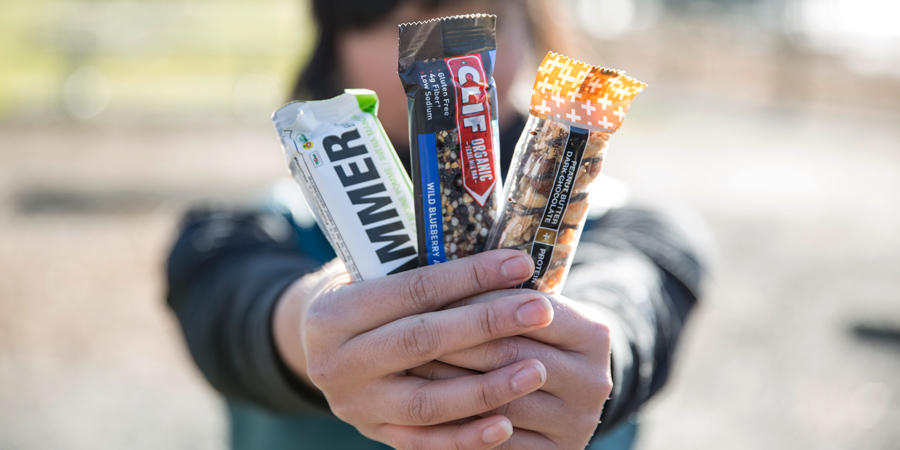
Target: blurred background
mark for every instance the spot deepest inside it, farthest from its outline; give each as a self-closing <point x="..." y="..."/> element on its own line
<point x="779" y="120"/>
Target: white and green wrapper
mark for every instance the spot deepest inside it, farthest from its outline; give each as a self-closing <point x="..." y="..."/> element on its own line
<point x="352" y="180"/>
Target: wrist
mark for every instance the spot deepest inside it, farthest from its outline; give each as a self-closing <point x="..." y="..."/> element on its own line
<point x="289" y="314"/>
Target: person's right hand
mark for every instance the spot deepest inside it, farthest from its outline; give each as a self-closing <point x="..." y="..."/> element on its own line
<point x="355" y="342"/>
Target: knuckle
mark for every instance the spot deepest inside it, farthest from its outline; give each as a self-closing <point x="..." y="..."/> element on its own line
<point x="340" y="409"/>
<point x="489" y="321"/>
<point x="414" y="442"/>
<point x="600" y="386"/>
<point x="600" y="332"/>
<point x="505" y="352"/>
<point x="490" y="396"/>
<point x="501" y="410"/>
<point x="316" y="318"/>
<point x="590" y="419"/>
<point x="418" y="290"/>
<point x="426" y="371"/>
<point x="421" y="408"/>
<point x="319" y="372"/>
<point x="600" y="340"/>
<point x="418" y="340"/>
<point x="605" y="387"/>
<point x="480" y="276"/>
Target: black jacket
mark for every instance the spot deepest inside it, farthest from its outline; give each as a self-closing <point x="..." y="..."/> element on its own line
<point x="640" y="264"/>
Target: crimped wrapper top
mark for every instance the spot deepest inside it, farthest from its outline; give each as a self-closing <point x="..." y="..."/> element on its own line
<point x="352" y="180"/>
<point x="446" y="66"/>
<point x="582" y="94"/>
<point x="575" y="108"/>
<point x="446" y="36"/>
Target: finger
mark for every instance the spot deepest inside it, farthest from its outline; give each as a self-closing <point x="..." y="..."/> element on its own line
<point x="413" y="341"/>
<point x="575" y="328"/>
<point x="531" y="440"/>
<point x="436" y="370"/>
<point x="537" y="411"/>
<point x="485" y="433"/>
<point x="412" y="401"/>
<point x="530" y="412"/>
<point x="383" y="300"/>
<point x="570" y="401"/>
<point x="502" y="352"/>
<point x="581" y="330"/>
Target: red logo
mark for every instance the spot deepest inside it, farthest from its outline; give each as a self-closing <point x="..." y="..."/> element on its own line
<point x="473" y="121"/>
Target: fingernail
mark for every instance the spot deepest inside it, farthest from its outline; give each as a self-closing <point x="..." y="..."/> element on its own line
<point x="535" y="312"/>
<point x="528" y="378"/>
<point x="497" y="432"/>
<point x="516" y="268"/>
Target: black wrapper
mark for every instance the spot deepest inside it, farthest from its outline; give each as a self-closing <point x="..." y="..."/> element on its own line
<point x="446" y="66"/>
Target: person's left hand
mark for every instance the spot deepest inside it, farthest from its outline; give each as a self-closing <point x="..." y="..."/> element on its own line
<point x="575" y="350"/>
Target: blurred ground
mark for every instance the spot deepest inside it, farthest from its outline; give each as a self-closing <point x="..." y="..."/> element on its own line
<point x="89" y="356"/>
<point x="797" y="345"/>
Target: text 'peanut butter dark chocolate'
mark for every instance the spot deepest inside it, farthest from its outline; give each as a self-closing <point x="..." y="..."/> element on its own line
<point x="575" y="108"/>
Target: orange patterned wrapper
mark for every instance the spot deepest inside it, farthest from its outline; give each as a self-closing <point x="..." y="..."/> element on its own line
<point x="582" y="94"/>
<point x="575" y="108"/>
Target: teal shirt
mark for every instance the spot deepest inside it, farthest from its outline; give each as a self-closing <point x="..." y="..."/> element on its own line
<point x="253" y="428"/>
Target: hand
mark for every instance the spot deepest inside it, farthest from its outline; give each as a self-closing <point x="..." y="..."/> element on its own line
<point x="355" y="342"/>
<point x="574" y="348"/>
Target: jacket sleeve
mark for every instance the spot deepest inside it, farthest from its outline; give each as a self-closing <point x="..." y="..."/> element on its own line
<point x="225" y="274"/>
<point x="642" y="265"/>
